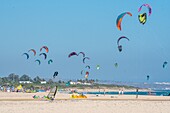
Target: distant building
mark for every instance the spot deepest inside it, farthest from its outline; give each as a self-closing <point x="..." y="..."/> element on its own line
<point x="25" y="82"/>
<point x="87" y="83"/>
<point x="43" y="82"/>
<point x="72" y="83"/>
<point x="80" y="83"/>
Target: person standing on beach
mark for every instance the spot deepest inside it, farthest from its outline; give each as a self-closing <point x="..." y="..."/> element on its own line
<point x="104" y="92"/>
<point x="119" y="91"/>
<point x="122" y="91"/>
<point x="137" y="92"/>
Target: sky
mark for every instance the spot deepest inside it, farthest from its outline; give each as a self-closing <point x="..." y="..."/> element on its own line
<point x="87" y="26"/>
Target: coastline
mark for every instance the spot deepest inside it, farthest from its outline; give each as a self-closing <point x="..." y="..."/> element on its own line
<point x="62" y="95"/>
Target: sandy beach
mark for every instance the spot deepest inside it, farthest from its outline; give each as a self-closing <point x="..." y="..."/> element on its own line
<point x="23" y="102"/>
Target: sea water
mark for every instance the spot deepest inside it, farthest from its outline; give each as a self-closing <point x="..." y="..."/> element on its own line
<point x="157" y="88"/>
<point x="156" y="93"/>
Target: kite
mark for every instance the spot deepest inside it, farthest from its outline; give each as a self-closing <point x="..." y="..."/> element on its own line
<point x="142" y="18"/>
<point x="82" y="72"/>
<point x="87" y="66"/>
<point x="26" y="55"/>
<point x="82" y="54"/>
<point x="45" y="56"/>
<point x="147" y="77"/>
<point x="98" y="67"/>
<point x="39" y="62"/>
<point x="55" y="74"/>
<point x="85" y="59"/>
<point x="164" y="64"/>
<point x="72" y="54"/>
<point x="119" y="19"/>
<point x="87" y="74"/>
<point x="120" y="46"/>
<point x="44" y="47"/>
<point x="50" y="61"/>
<point x="116" y="64"/>
<point x="32" y="51"/>
<point x="148" y="6"/>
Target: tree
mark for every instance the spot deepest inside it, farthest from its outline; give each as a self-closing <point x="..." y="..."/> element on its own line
<point x="37" y="79"/>
<point x="25" y="78"/>
<point x="97" y="80"/>
<point x="43" y="79"/>
<point x="5" y="80"/>
<point x="13" y="78"/>
<point x="1" y="81"/>
<point x="59" y="82"/>
<point x="50" y="81"/>
<point x="80" y="80"/>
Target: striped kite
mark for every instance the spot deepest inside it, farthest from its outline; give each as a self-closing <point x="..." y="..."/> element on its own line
<point x="148" y="6"/>
<point x="119" y="19"/>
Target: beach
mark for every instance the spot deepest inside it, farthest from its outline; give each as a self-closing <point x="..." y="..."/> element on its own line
<point x="12" y="102"/>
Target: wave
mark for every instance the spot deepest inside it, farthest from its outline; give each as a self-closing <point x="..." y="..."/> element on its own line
<point x="162" y="83"/>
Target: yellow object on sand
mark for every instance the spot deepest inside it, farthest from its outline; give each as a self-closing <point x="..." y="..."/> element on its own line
<point x="78" y="96"/>
<point x="19" y="87"/>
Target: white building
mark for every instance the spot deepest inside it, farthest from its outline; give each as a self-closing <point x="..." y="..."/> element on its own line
<point x="43" y="82"/>
<point x="25" y="82"/>
<point x="76" y="83"/>
<point x="72" y="83"/>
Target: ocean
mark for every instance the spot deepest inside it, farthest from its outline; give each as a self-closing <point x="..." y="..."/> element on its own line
<point x="152" y="86"/>
<point x="156" y="93"/>
<point x="157" y="88"/>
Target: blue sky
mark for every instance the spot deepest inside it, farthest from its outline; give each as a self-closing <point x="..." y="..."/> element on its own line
<point x="89" y="26"/>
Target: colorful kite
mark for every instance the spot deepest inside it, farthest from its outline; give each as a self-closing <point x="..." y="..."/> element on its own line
<point x="44" y="47"/>
<point x="32" y="51"/>
<point x="142" y="18"/>
<point x="119" y="19"/>
<point x="72" y="54"/>
<point x="148" y="6"/>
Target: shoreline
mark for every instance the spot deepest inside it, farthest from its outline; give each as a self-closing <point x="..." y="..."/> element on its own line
<point x="14" y="96"/>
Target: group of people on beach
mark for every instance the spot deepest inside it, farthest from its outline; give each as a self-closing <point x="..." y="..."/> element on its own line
<point x="7" y="88"/>
<point x="121" y="91"/>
